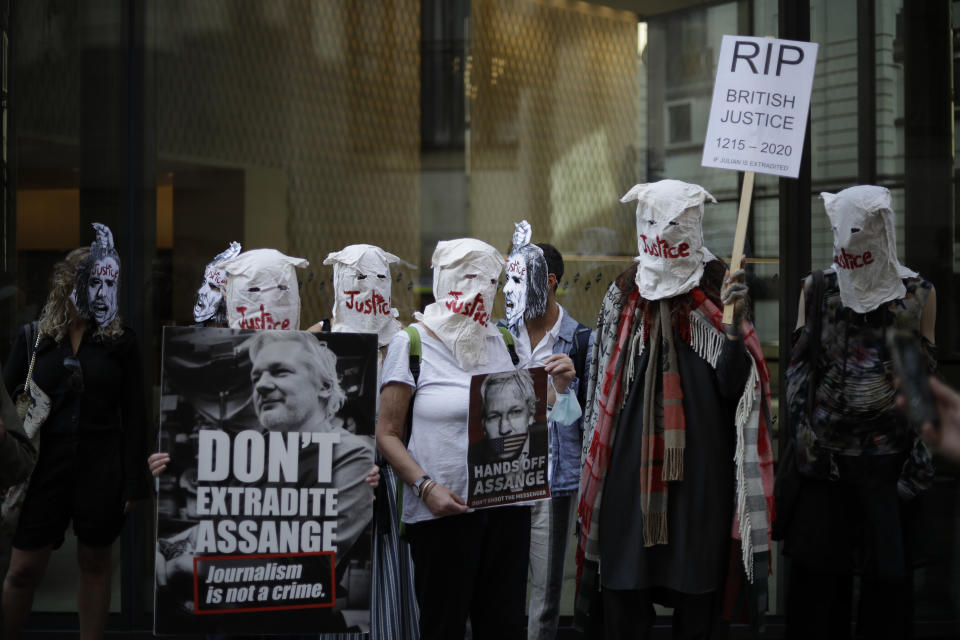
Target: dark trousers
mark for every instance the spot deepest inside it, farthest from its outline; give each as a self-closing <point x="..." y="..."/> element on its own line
<point x="856" y="525"/>
<point x="472" y="565"/>
<point x="820" y="605"/>
<point x="630" y="614"/>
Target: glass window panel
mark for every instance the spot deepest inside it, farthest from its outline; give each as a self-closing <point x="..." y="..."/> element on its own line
<point x="889" y="92"/>
<point x="48" y="71"/>
<point x="682" y="64"/>
<point x="833" y="104"/>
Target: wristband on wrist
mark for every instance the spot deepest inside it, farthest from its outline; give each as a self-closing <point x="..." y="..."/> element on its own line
<point x="427" y="489"/>
<point x="419" y="485"/>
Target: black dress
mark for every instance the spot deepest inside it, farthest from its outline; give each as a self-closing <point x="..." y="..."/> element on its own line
<point x="699" y="507"/>
<point x="93" y="443"/>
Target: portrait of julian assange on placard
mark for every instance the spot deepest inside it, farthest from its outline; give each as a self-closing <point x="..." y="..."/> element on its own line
<point x="263" y="513"/>
<point x="507" y="456"/>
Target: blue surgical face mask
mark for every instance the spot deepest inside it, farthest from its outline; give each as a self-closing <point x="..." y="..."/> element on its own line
<point x="566" y="409"/>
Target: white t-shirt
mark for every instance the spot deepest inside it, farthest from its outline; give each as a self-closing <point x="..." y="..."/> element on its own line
<point x="438" y="439"/>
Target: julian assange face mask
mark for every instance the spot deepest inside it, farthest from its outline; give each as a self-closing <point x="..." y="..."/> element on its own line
<point x="210" y="294"/>
<point x="865" y="247"/>
<point x="669" y="237"/>
<point x="262" y="290"/>
<point x="361" y="279"/>
<point x="525" y="290"/>
<point x="98" y="280"/>
<point x="465" y="275"/>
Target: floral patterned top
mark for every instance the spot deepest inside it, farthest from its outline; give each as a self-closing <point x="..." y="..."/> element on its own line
<point x="854" y="408"/>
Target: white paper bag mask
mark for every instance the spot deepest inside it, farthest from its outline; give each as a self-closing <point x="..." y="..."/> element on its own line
<point x="865" y="247"/>
<point x="465" y="275"/>
<point x="669" y="237"/>
<point x="98" y="280"/>
<point x="262" y="290"/>
<point x="525" y="290"/>
<point x="361" y="280"/>
<point x="210" y="302"/>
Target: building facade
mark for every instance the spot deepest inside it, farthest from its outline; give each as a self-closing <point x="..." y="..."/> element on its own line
<point x="307" y="125"/>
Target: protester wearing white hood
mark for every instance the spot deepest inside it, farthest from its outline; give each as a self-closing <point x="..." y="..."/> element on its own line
<point x="676" y="451"/>
<point x="361" y="281"/>
<point x="363" y="304"/>
<point x="861" y="462"/>
<point x="468" y="564"/>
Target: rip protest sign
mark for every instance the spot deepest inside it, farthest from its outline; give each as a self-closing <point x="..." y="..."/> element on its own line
<point x="761" y="99"/>
<point x="263" y="514"/>
<point x="507" y="456"/>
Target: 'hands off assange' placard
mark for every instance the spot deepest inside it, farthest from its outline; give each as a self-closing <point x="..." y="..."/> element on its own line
<point x="761" y="99"/>
<point x="507" y="457"/>
<point x="263" y="514"/>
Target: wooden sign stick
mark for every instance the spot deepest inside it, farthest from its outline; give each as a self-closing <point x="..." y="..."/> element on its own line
<point x="740" y="237"/>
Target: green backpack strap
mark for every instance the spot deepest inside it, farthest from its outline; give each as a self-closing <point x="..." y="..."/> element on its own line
<point x="508" y="338"/>
<point x="415" y="353"/>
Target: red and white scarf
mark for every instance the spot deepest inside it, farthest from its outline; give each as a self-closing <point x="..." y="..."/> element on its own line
<point x="621" y="325"/>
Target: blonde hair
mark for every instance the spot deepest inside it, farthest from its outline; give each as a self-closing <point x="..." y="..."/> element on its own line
<point x="58" y="311"/>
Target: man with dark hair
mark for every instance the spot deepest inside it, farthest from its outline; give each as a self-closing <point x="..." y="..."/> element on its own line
<point x="554" y="261"/>
<point x="547" y="335"/>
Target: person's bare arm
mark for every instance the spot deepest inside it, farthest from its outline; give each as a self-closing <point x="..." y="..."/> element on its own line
<point x="394" y="402"/>
<point x="944" y="439"/>
<point x="801" y="312"/>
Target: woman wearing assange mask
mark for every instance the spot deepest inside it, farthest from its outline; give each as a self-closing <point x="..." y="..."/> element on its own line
<point x="860" y="463"/>
<point x="467" y="564"/>
<point x="677" y="429"/>
<point x="94" y="435"/>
